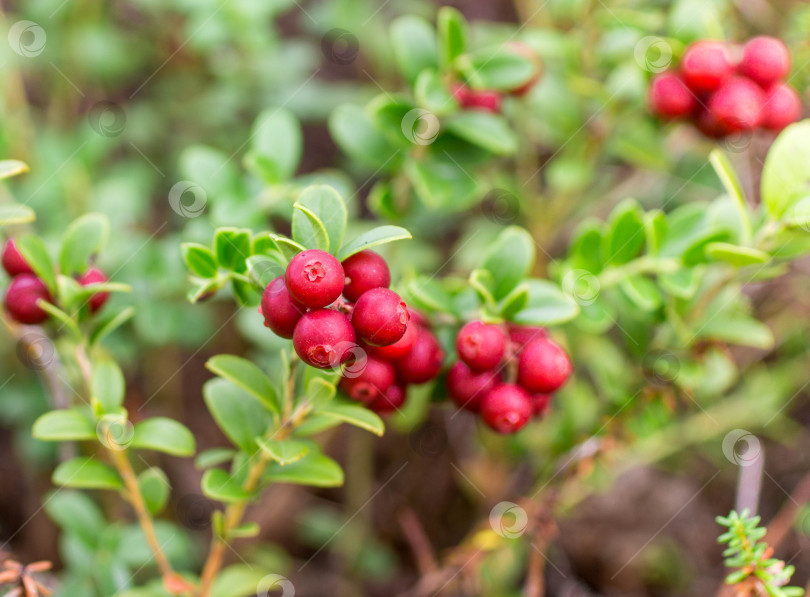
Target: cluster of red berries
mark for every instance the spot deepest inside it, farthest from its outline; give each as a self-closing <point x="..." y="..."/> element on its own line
<point x="344" y="314"/>
<point x="27" y="288"/>
<point x="725" y="90"/>
<point x="490" y="100"/>
<point x="506" y="373"/>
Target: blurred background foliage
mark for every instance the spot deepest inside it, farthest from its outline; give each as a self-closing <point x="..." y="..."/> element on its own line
<point x="128" y="99"/>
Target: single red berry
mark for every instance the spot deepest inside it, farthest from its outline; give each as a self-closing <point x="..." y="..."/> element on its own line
<point x="543" y="366"/>
<point x="370" y="382"/>
<point x="540" y="404"/>
<point x="93" y="275"/>
<point x="737" y="105"/>
<point x="467" y="387"/>
<point x="380" y="317"/>
<point x="314" y="278"/>
<point x="521" y="335"/>
<point x="423" y="362"/>
<point x="389" y="401"/>
<point x="400" y="348"/>
<point x="526" y="51"/>
<point x="13" y="261"/>
<point x="469" y="98"/>
<point x="669" y="97"/>
<point x="22" y="296"/>
<point x="364" y="270"/>
<point x="707" y="123"/>
<point x="782" y="107"/>
<point x="765" y="60"/>
<point x="481" y="345"/>
<point x="706" y="65"/>
<point x="506" y="408"/>
<point x="281" y="312"/>
<point x="324" y="338"/>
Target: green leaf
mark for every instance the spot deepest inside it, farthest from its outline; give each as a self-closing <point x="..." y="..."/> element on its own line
<point x="326" y="203"/>
<point x="514" y="302"/>
<point x="86" y="473"/>
<point x="374" y="237"/>
<point x="428" y="293"/>
<point x="308" y="230"/>
<point x="111" y="324"/>
<point x="625" y="233"/>
<point x="199" y="259"/>
<point x="483" y="282"/>
<point x="64" y="425"/>
<point x="276" y="145"/>
<point x="240" y="580"/>
<point x="286" y="246"/>
<point x="683" y="283"/>
<point x="497" y="68"/>
<point x="107" y="385"/>
<point x="355" y="133"/>
<point x="353" y="414"/>
<point x="36" y="254"/>
<point x="84" y="237"/>
<point x="490" y="131"/>
<point x="219" y="485"/>
<point x="786" y="173"/>
<point x="738" y="329"/>
<point x="443" y="184"/>
<point x="548" y="305"/>
<point x="155" y="489"/>
<point x="655" y="229"/>
<point x="736" y="255"/>
<point x="415" y="47"/>
<point x="452" y="30"/>
<point x="389" y="114"/>
<point x="509" y="259"/>
<point x="76" y="514"/>
<point x="432" y="93"/>
<point x="247" y="376"/>
<point x="284" y="451"/>
<point x="245" y="531"/>
<point x="213" y="457"/>
<point x="314" y="469"/>
<point x="238" y="414"/>
<point x="164" y="435"/>
<point x="642" y="292"/>
<point x="263" y="270"/>
<point x="9" y="168"/>
<point x="731" y="183"/>
<point x="586" y="247"/>
<point x="14" y="213"/>
<point x="232" y="248"/>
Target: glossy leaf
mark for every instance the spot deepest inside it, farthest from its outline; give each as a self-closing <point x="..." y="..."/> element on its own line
<point x="374" y="237"/>
<point x="490" y="131"/>
<point x="786" y="173"/>
<point x="284" y="451"/>
<point x="452" y="30"/>
<point x="36" y="254"/>
<point x="232" y="248"/>
<point x="509" y="259"/>
<point x="213" y="457"/>
<point x="14" y="213"/>
<point x="624" y="237"/>
<point x="199" y="259"/>
<point x="84" y="237"/>
<point x="314" y="469"/>
<point x="238" y="414"/>
<point x="64" y="425"/>
<point x="86" y="473"/>
<point x="329" y="207"/>
<point x="107" y="385"/>
<point x="353" y="131"/>
<point x="247" y="376"/>
<point x="415" y="47"/>
<point x="308" y="230"/>
<point x="353" y="414"/>
<point x="155" y="489"/>
<point x="736" y="255"/>
<point x="547" y="305"/>
<point x="219" y="485"/>
<point x="9" y="168"/>
<point x="164" y="435"/>
<point x="276" y="145"/>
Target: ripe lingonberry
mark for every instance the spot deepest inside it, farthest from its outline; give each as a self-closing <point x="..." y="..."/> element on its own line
<point x="324" y="338"/>
<point x="543" y="366"/>
<point x="669" y="97"/>
<point x="506" y="408"/>
<point x="280" y="311"/>
<point x="401" y="347"/>
<point x="22" y="296"/>
<point x="521" y="335"/>
<point x="364" y="270"/>
<point x="389" y="401"/>
<point x="765" y="60"/>
<point x="708" y="124"/>
<point x="540" y="404"/>
<point x="380" y="317"/>
<point x="706" y="65"/>
<point x="782" y="107"/>
<point x="473" y="99"/>
<point x="481" y="345"/>
<point x="315" y="278"/>
<point x="527" y="52"/>
<point x="423" y="362"/>
<point x="374" y="379"/>
<point x="737" y="105"/>
<point x="467" y="387"/>
<point x="93" y="275"/>
<point x="13" y="261"/>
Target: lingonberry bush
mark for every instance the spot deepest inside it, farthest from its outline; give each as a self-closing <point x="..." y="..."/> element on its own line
<point x="512" y="264"/>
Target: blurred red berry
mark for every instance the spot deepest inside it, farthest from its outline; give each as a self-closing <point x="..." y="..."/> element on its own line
<point x="467" y="387"/>
<point x="521" y="335"/>
<point x="423" y="362"/>
<point x="481" y="345"/>
<point x="543" y="366"/>
<point x="506" y="408"/>
<point x="94" y="275"/>
<point x="706" y="65"/>
<point x="540" y="404"/>
<point x="782" y="107"/>
<point x="22" y="296"/>
<point x="527" y="52"/>
<point x="669" y="97"/>
<point x="373" y="379"/>
<point x="765" y="60"/>
<point x="13" y="261"/>
<point x="737" y="105"/>
<point x="400" y="348"/>
<point x="390" y="400"/>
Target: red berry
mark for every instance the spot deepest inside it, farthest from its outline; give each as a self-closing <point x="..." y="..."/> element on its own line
<point x="506" y="408"/>
<point x="13" y="261"/>
<point x="521" y="335"/>
<point x="669" y="97"/>
<point x="540" y="404"/>
<point x="474" y="99"/>
<point x="380" y="317"/>
<point x="737" y="105"/>
<point x="467" y="387"/>
<point x="706" y="65"/>
<point x="315" y="278"/>
<point x="400" y="348"/>
<point x="782" y="107"/>
<point x="324" y="338"/>
<point x="707" y="124"/>
<point x="543" y="366"/>
<point x="527" y="52"/>
<point x="418" y="318"/>
<point x="423" y="362"/>
<point x="93" y="275"/>
<point x="765" y="60"/>
<point x="389" y="401"/>
<point x="370" y="382"/>
<point x="22" y="296"/>
<point x="280" y="311"/>
<point x="364" y="270"/>
<point x="481" y="345"/>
